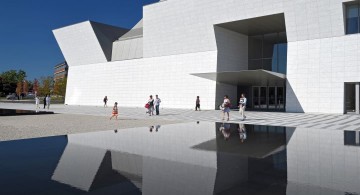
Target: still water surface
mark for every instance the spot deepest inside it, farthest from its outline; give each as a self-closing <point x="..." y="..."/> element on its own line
<point x="190" y="158"/>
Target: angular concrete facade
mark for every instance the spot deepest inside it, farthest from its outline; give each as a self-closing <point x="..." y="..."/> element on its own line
<point x="183" y="37"/>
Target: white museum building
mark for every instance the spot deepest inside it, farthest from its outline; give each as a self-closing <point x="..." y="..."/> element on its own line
<point x="285" y="55"/>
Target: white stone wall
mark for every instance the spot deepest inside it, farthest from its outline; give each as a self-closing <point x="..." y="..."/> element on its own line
<point x="178" y="33"/>
<point x="320" y="56"/>
<point x="232" y="48"/>
<point x="130" y="82"/>
<point x="317" y="70"/>
<point x="79" y="44"/>
<point x="127" y="49"/>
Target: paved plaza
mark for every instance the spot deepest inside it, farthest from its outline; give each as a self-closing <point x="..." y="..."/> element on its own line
<point x="94" y="118"/>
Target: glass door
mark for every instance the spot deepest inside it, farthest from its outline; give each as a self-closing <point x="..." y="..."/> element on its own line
<point x="263" y="97"/>
<point x="350" y="95"/>
<point x="255" y="93"/>
<point x="272" y="98"/>
<point x="280" y="98"/>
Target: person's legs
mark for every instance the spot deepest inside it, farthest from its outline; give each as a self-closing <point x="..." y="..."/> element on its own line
<point x="157" y="110"/>
<point x="199" y="106"/>
<point x="243" y="113"/>
<point x="228" y="115"/>
<point x="196" y="106"/>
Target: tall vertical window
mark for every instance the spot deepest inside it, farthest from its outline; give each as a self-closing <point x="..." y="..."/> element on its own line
<point x="268" y="52"/>
<point x="353" y="17"/>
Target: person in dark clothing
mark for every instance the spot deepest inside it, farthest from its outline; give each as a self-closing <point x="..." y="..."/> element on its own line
<point x="197" y="103"/>
<point x="45" y="101"/>
<point x="105" y="101"/>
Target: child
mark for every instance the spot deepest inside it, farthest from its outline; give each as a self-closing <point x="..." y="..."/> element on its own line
<point x="114" y="111"/>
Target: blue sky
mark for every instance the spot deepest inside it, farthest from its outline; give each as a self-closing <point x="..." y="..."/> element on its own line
<point x="26" y="38"/>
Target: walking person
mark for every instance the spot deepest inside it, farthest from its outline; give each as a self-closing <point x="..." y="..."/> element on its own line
<point x="48" y="99"/>
<point x="37" y="102"/>
<point x="226" y="107"/>
<point x="105" y="101"/>
<point x="115" y="111"/>
<point x="151" y="106"/>
<point x="197" y="103"/>
<point x="45" y="101"/>
<point x="242" y="132"/>
<point x="157" y="104"/>
<point x="242" y="106"/>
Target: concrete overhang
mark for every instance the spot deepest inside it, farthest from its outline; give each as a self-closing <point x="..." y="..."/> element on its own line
<point x="245" y="77"/>
<point x="257" y="26"/>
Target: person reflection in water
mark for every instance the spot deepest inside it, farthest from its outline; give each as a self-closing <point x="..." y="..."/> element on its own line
<point x="242" y="132"/>
<point x="225" y="130"/>
<point x="157" y="127"/>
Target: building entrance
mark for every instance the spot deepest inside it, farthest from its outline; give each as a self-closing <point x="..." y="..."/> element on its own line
<point x="268" y="98"/>
<point x="352" y="98"/>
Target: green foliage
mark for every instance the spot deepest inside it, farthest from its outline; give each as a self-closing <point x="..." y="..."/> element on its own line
<point x="46" y="85"/>
<point x="60" y="87"/>
<point x="13" y="76"/>
<point x="10" y="79"/>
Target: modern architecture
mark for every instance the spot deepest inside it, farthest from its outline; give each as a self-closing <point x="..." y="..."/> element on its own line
<point x="293" y="56"/>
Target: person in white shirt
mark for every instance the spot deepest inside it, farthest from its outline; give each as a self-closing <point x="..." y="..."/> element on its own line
<point x="226" y="107"/>
<point x="157" y="102"/>
<point x="242" y="106"/>
<point x="242" y="132"/>
<point x="37" y="102"/>
<point x="48" y="101"/>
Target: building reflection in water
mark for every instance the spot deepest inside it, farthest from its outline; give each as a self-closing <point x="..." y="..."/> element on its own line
<point x="196" y="159"/>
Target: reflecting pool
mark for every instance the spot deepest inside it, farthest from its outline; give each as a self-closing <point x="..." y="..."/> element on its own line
<point x="15" y="112"/>
<point x="187" y="158"/>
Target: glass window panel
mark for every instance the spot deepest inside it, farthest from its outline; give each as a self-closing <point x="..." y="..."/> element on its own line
<point x="280" y="97"/>
<point x="263" y="97"/>
<point x="352" y="11"/>
<point x="352" y="25"/>
<point x="282" y="37"/>
<point x="267" y="64"/>
<point x="255" y="47"/>
<point x="256" y="97"/>
<point x="255" y="64"/>
<point x="282" y="58"/>
<point x="272" y="101"/>
<point x="349" y="138"/>
<point x="269" y="41"/>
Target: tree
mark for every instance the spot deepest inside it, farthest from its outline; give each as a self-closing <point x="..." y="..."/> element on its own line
<point x="60" y="87"/>
<point x="1" y="87"/>
<point x="13" y="76"/>
<point x="10" y="80"/>
<point x="25" y="88"/>
<point x="35" y="87"/>
<point x="19" y="88"/>
<point x="46" y="85"/>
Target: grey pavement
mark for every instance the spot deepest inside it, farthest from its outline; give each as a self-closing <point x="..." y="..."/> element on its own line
<point x="309" y="120"/>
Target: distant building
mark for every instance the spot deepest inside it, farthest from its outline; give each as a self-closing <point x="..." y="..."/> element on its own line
<point x="60" y="71"/>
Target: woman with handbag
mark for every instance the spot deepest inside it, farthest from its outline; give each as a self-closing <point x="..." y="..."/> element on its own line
<point x="226" y="106"/>
<point x="151" y="106"/>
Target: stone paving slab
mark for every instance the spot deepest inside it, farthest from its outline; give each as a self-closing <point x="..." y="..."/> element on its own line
<point x="21" y="127"/>
<point x="100" y="114"/>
